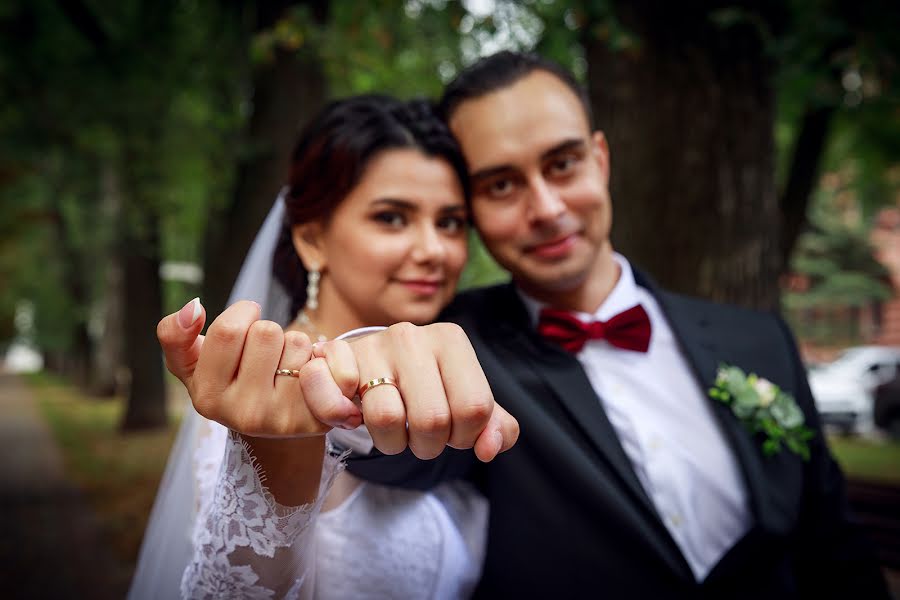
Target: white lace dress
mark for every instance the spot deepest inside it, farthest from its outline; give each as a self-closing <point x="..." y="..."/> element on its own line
<point x="378" y="543"/>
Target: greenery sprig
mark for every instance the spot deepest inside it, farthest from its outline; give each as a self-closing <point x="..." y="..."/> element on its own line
<point x="763" y="408"/>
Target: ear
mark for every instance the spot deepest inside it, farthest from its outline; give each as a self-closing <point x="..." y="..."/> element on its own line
<point x="308" y="242"/>
<point x="600" y="150"/>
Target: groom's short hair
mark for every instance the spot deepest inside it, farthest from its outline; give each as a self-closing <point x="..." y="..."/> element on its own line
<point x="501" y="70"/>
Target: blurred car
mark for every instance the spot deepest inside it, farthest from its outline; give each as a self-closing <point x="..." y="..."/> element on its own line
<point x="887" y="406"/>
<point x="844" y="390"/>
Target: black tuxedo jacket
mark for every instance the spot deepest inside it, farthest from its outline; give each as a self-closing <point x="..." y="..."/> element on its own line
<point x="568" y="516"/>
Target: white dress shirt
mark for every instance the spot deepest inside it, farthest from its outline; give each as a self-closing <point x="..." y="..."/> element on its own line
<point x="666" y="427"/>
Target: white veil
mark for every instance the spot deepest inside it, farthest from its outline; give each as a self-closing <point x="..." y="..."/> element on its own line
<point x="167" y="546"/>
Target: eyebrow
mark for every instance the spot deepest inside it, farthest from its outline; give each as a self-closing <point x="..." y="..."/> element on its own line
<point x="412" y="206"/>
<point x="486" y="173"/>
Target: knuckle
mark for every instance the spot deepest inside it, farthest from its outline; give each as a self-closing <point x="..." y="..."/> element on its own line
<point x="403" y="331"/>
<point x="297" y="340"/>
<point x="267" y="332"/>
<point x="386" y="417"/>
<point x="432" y="424"/>
<point x="226" y="332"/>
<point x="477" y="409"/>
<point x="449" y="333"/>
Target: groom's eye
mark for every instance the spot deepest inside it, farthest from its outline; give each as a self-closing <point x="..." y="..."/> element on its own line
<point x="562" y="165"/>
<point x="500" y="187"/>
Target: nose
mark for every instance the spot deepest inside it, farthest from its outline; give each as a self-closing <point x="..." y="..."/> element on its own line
<point x="545" y="204"/>
<point x="429" y="247"/>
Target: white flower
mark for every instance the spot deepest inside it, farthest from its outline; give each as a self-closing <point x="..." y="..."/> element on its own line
<point x="766" y="391"/>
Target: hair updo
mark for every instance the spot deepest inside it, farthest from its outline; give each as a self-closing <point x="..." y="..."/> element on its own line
<point x="331" y="156"/>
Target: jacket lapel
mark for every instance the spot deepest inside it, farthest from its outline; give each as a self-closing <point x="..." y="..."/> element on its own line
<point x="564" y="375"/>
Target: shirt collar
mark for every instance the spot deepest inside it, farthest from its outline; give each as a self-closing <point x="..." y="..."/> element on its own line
<point x="623" y="296"/>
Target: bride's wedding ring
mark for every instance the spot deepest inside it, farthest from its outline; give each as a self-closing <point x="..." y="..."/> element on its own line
<point x="288" y="372"/>
<point x="375" y="383"/>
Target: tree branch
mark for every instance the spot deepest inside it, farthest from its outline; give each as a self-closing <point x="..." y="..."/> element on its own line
<point x="86" y="23"/>
<point x="804" y="171"/>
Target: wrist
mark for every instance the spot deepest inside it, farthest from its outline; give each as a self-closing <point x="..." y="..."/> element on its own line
<point x="291" y="467"/>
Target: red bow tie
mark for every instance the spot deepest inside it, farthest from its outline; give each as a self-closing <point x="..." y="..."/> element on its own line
<point x="629" y="330"/>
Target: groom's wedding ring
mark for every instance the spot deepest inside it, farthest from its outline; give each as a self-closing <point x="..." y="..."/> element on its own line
<point x="288" y="372"/>
<point x="375" y="383"/>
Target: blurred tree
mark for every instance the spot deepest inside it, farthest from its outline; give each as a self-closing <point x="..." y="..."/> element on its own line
<point x="99" y="101"/>
<point x="686" y="94"/>
<point x="284" y="84"/>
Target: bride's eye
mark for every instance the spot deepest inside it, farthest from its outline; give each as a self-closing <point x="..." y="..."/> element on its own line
<point x="390" y="218"/>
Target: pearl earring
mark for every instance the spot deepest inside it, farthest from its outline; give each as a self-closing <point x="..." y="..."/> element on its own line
<point x="312" y="289"/>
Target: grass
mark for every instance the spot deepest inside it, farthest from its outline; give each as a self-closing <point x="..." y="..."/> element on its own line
<point x="871" y="460"/>
<point x="118" y="472"/>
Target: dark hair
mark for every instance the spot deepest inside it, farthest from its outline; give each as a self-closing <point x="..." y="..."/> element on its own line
<point x="501" y="70"/>
<point x="332" y="154"/>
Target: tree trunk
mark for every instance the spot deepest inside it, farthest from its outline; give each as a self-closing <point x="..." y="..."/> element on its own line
<point x="76" y="365"/>
<point x="146" y="402"/>
<point x="109" y="348"/>
<point x="286" y="93"/>
<point x="689" y="114"/>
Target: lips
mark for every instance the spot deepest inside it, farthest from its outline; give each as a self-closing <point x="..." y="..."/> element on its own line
<point x="423" y="287"/>
<point x="555" y="248"/>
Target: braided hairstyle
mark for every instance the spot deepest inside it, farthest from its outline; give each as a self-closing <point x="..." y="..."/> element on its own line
<point x="332" y="155"/>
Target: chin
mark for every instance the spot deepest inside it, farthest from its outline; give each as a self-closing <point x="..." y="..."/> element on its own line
<point x="417" y="315"/>
<point x="554" y="279"/>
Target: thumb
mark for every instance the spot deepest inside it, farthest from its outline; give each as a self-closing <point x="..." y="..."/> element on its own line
<point x="179" y="336"/>
<point x="500" y="435"/>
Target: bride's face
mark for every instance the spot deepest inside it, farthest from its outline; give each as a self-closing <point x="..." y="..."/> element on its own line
<point x="394" y="248"/>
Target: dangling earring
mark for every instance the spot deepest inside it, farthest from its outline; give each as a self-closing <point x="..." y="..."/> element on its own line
<point x="312" y="289"/>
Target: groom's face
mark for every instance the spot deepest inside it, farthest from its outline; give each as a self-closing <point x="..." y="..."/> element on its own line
<point x="539" y="182"/>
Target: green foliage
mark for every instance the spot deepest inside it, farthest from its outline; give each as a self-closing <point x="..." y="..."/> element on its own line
<point x="141" y="99"/>
<point x="842" y="57"/>
<point x="836" y="258"/>
<point x="154" y="95"/>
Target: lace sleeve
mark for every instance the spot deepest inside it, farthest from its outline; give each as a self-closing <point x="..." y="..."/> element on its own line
<point x="245" y="544"/>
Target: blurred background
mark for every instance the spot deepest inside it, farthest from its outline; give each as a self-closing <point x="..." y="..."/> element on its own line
<point x="755" y="159"/>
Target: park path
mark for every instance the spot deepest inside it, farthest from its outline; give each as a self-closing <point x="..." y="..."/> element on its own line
<point x="50" y="544"/>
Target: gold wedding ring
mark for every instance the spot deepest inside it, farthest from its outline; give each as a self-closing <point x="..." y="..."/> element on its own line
<point x="375" y="383"/>
<point x="288" y="372"/>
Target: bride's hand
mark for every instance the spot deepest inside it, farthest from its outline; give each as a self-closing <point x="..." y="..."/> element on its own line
<point x="231" y="378"/>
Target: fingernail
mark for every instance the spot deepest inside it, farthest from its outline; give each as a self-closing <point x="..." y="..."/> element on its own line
<point x="498" y="440"/>
<point x="258" y="306"/>
<point x="189" y="313"/>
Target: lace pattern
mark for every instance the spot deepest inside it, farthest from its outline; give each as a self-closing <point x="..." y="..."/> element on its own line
<point x="246" y="544"/>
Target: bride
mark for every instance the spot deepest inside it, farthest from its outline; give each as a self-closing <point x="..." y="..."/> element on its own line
<point x="369" y="231"/>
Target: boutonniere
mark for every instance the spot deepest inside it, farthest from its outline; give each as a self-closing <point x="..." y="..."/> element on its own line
<point x="764" y="408"/>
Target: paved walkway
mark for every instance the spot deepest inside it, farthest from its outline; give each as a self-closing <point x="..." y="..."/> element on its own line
<point x="49" y="538"/>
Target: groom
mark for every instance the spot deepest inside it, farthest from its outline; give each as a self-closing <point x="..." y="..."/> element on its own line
<point x="628" y="480"/>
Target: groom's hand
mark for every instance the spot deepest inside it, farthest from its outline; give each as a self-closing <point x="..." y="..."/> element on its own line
<point x="442" y="397"/>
